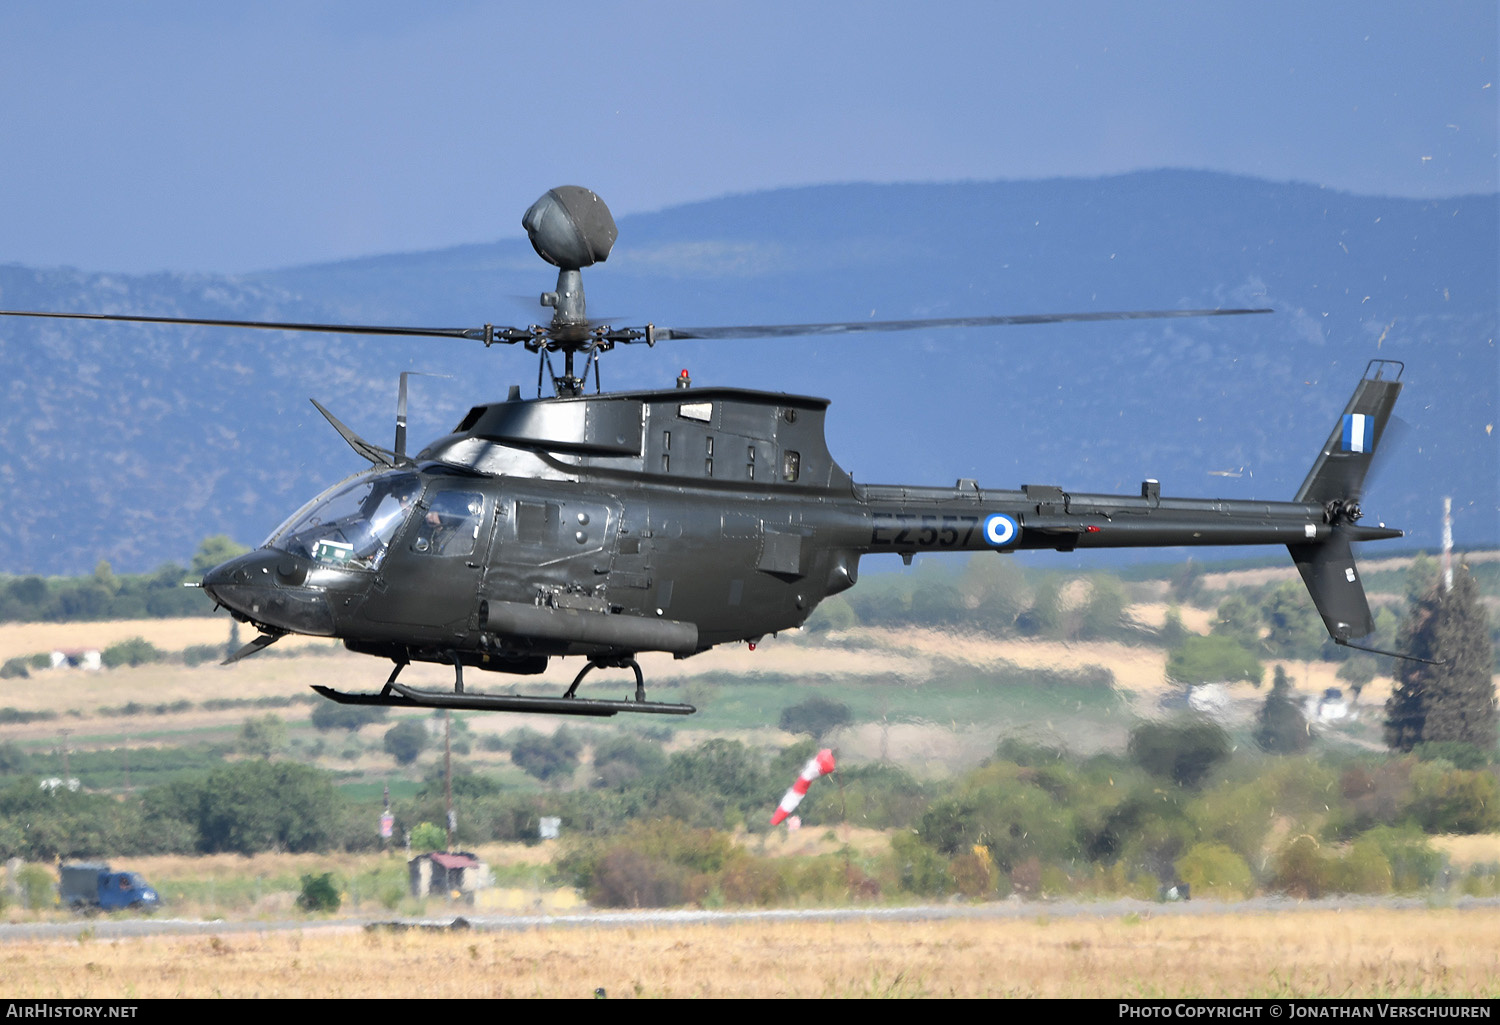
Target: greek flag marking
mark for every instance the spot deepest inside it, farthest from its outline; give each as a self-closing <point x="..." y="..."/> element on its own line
<point x="1359" y="433"/>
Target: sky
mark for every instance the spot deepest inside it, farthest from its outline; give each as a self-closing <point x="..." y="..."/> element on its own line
<point x="229" y="138"/>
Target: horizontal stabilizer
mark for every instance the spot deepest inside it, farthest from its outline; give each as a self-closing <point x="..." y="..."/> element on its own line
<point x="260" y="643"/>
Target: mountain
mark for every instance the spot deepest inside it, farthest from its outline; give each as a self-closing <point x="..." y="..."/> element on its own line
<point x="131" y="443"/>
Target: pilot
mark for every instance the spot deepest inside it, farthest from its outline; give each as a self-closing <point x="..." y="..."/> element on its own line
<point x="451" y="524"/>
<point x="382" y="526"/>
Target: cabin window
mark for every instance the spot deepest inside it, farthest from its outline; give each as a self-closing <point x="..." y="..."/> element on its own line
<point x="791" y="466"/>
<point x="450" y="524"/>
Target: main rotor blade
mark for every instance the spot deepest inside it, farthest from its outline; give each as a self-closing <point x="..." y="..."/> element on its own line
<point x="348" y="329"/>
<point x="860" y="326"/>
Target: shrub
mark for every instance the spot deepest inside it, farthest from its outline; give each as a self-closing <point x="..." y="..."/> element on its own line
<point x="133" y="652"/>
<point x="1414" y="864"/>
<point x="652" y="864"/>
<point x="973" y="872"/>
<point x="751" y="881"/>
<point x="197" y="654"/>
<point x="877" y="796"/>
<point x="626" y="878"/>
<point x="1302" y="869"/>
<point x="1463" y="756"/>
<point x="1448" y="800"/>
<point x="1213" y="870"/>
<point x="38" y="887"/>
<point x="319" y="893"/>
<point x="920" y="869"/>
<point x="1235" y="815"/>
<point x="1376" y="795"/>
<point x="428" y="837"/>
<point x="1364" y="869"/>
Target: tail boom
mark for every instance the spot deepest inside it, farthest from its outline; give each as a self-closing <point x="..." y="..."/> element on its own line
<point x="1318" y="526"/>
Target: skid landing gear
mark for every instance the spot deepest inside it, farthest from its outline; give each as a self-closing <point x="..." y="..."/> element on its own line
<point x="399" y="695"/>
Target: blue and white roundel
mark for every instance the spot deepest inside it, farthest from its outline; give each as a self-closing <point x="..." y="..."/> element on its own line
<point x="1000" y="530"/>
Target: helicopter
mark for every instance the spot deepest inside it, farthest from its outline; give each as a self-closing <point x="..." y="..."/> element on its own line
<point x="602" y="525"/>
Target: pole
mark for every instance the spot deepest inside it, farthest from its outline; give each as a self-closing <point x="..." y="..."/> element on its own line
<point x="1447" y="544"/>
<point x="448" y="774"/>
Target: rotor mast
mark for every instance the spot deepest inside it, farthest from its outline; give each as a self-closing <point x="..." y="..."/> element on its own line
<point x="570" y="228"/>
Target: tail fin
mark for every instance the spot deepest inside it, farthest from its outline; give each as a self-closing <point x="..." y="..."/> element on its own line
<point x="1327" y="569"/>
<point x="1338" y="474"/>
<point x="1335" y="482"/>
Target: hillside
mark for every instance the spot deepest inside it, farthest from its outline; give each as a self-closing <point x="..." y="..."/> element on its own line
<point x="132" y="443"/>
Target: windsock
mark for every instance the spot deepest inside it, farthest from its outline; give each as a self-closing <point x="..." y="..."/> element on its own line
<point x="820" y="764"/>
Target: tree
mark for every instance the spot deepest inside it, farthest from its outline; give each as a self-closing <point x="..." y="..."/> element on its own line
<point x="330" y="715"/>
<point x="1295" y="628"/>
<point x="263" y="736"/>
<point x="1281" y="728"/>
<point x="831" y="615"/>
<point x="214" y="550"/>
<point x="405" y="740"/>
<point x="1104" y="611"/>
<point x="816" y="716"/>
<point x="1216" y="658"/>
<point x="620" y="759"/>
<point x="1185" y="751"/>
<point x="255" y="806"/>
<point x="1453" y="700"/>
<point x="546" y="757"/>
<point x="426" y="837"/>
<point x="1240" y="619"/>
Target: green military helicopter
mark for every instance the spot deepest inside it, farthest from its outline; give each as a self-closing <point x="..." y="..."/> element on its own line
<point x="604" y="525"/>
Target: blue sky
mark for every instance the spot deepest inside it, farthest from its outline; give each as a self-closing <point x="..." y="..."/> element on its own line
<point x="214" y="137"/>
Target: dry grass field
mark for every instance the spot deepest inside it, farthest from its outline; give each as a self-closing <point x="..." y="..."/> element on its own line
<point x="873" y="654"/>
<point x="1298" y="953"/>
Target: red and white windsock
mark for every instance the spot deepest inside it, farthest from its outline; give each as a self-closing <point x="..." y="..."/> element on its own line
<point x="821" y="764"/>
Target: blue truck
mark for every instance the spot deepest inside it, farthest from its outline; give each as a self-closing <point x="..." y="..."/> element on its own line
<point x="92" y="886"/>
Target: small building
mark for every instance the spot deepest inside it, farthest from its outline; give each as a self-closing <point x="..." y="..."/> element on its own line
<point x="78" y="658"/>
<point x="448" y="874"/>
<point x="1329" y="708"/>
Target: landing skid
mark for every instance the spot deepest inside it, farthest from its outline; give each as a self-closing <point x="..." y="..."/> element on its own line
<point x="398" y="695"/>
<point x="411" y="697"/>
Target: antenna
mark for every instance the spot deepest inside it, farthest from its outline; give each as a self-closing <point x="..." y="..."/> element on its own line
<point x="1447" y="544"/>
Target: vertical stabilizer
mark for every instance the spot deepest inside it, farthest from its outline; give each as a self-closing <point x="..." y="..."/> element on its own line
<point x="1328" y="570"/>
<point x="1338" y="474"/>
<point x="1335" y="482"/>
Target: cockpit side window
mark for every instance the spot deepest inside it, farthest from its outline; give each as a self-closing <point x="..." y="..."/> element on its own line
<point x="351" y="524"/>
<point x="450" y="524"/>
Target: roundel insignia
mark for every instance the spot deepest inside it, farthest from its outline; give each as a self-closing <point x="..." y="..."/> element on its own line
<point x="1000" y="530"/>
